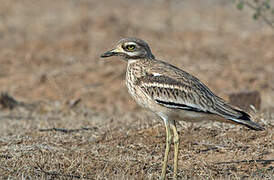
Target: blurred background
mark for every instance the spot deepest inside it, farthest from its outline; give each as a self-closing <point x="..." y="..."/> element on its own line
<point x="50" y="67"/>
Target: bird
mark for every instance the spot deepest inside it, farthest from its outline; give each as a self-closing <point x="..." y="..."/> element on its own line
<point x="173" y="94"/>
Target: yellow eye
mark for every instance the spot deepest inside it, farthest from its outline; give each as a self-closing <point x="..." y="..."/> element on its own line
<point x="130" y="47"/>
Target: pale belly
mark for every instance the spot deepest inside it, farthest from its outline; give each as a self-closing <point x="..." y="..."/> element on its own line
<point x="192" y="116"/>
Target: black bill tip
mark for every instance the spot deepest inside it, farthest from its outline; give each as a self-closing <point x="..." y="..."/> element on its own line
<point x="108" y="54"/>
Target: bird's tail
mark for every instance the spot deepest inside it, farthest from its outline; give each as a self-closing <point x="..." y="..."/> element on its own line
<point x="245" y="119"/>
<point x="236" y="116"/>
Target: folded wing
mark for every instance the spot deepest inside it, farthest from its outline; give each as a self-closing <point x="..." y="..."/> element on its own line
<point x="179" y="90"/>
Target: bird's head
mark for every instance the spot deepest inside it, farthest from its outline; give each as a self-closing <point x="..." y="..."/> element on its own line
<point x="130" y="49"/>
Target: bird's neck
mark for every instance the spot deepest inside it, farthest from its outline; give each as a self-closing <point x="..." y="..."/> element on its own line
<point x="136" y="68"/>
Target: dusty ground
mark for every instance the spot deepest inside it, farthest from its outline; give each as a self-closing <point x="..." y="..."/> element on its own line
<point x="76" y="120"/>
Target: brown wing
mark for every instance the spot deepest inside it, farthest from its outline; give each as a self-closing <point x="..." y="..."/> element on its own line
<point x="175" y="88"/>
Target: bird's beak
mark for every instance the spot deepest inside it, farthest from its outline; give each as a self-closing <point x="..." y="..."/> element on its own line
<point x="112" y="52"/>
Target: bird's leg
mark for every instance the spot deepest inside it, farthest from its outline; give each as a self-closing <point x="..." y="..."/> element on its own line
<point x="176" y="148"/>
<point x="168" y="142"/>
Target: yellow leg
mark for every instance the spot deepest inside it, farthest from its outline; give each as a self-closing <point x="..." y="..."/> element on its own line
<point x="168" y="142"/>
<point x="176" y="148"/>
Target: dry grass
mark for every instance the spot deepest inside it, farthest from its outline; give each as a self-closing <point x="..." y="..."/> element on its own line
<point x="49" y="60"/>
